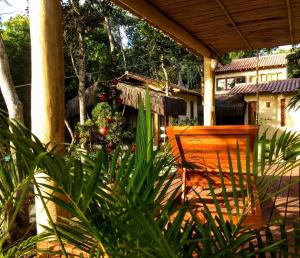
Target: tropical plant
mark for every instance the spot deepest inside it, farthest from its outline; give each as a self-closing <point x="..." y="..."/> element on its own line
<point x="120" y="212"/>
<point x="294" y="102"/>
<point x="293" y="63"/>
<point x="121" y="205"/>
<point x="184" y="121"/>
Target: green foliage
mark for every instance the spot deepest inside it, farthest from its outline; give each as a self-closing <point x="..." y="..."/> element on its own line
<point x="101" y="112"/>
<point x="105" y="116"/>
<point x="184" y="121"/>
<point x="16" y="37"/>
<point x="295" y="101"/>
<point x="146" y="45"/>
<point x="120" y="206"/>
<point x="228" y="57"/>
<point x="293" y="64"/>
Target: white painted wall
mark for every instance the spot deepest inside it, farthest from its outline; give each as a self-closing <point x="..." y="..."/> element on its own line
<point x="188" y="98"/>
<point x="248" y="74"/>
<point x="270" y="117"/>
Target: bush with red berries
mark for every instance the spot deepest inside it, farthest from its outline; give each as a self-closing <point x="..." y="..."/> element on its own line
<point x="106" y="127"/>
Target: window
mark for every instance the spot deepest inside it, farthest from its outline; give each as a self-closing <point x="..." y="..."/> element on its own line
<point x="221" y="84"/>
<point x="282" y="112"/>
<point x="274" y="77"/>
<point x="268" y="104"/>
<point x="241" y="79"/>
<point x="266" y="77"/>
<point x="253" y="79"/>
<point x="228" y="83"/>
<point x="192" y="109"/>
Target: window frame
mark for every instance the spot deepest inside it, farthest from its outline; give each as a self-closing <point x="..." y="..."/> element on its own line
<point x="226" y="83"/>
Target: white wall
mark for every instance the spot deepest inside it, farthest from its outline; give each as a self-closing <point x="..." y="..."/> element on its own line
<point x="188" y="98"/>
<point x="249" y="74"/>
<point x="270" y="117"/>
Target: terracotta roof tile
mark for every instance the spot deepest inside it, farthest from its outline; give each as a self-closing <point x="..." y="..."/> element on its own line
<point x="282" y="86"/>
<point x="245" y="64"/>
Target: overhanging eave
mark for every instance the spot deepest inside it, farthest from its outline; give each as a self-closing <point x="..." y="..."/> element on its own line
<point x="146" y="10"/>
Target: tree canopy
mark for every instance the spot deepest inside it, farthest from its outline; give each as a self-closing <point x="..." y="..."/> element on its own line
<point x="294" y="64"/>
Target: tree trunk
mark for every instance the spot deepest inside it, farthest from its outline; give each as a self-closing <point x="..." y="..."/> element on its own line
<point x="110" y="35"/>
<point x="68" y="126"/>
<point x="162" y="64"/>
<point x="81" y="78"/>
<point x="257" y="89"/>
<point x="178" y="70"/>
<point x="122" y="49"/>
<point x="15" y="111"/>
<point x="12" y="101"/>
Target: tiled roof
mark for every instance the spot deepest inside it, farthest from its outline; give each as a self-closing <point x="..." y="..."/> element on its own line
<point x="245" y="64"/>
<point x="282" y="86"/>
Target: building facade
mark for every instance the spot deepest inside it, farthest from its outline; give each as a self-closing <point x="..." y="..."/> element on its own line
<point x="275" y="91"/>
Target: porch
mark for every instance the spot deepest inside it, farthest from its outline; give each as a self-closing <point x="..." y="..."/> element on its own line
<point x="284" y="206"/>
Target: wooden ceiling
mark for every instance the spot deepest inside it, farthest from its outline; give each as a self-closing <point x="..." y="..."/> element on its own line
<point x="213" y="27"/>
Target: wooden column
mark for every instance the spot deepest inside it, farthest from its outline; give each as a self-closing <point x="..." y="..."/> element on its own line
<point x="47" y="90"/>
<point x="156" y="129"/>
<point x="209" y="117"/>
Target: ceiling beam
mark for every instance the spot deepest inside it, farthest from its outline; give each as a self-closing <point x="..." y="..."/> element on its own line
<point x="146" y="10"/>
<point x="289" y="9"/>
<point x="234" y="24"/>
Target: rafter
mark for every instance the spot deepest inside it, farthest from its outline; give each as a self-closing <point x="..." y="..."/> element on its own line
<point x="234" y="24"/>
<point x="146" y="10"/>
<point x="289" y="9"/>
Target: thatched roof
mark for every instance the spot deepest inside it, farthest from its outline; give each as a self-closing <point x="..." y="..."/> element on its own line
<point x="160" y="104"/>
<point x="156" y="84"/>
<point x="72" y="106"/>
<point x="208" y="27"/>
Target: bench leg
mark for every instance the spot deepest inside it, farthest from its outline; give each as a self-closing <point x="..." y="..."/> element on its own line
<point x="183" y="187"/>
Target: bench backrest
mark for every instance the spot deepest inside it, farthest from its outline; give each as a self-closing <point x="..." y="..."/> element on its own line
<point x="200" y="146"/>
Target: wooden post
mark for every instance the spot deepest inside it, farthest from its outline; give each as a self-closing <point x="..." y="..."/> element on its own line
<point x="209" y="91"/>
<point x="156" y="129"/>
<point x="257" y="88"/>
<point x="47" y="90"/>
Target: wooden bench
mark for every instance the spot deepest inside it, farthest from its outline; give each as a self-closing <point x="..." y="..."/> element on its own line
<point x="199" y="149"/>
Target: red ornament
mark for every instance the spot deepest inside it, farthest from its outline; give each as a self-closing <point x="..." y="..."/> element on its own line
<point x="109" y="119"/>
<point x="110" y="146"/>
<point x="116" y="82"/>
<point x="133" y="148"/>
<point x="103" y="97"/>
<point x="119" y="101"/>
<point x="103" y="131"/>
